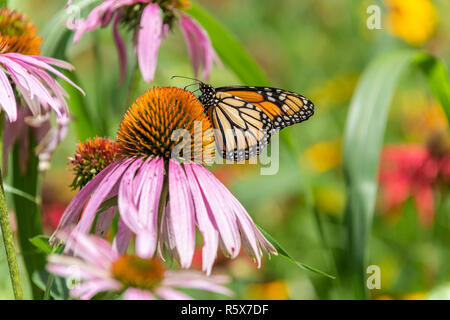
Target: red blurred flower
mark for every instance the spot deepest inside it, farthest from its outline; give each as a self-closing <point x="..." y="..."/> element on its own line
<point x="414" y="171"/>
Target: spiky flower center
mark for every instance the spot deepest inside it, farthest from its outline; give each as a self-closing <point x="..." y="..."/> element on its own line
<point x="136" y="272"/>
<point x="167" y="122"/>
<point x="91" y="157"/>
<point x="18" y="34"/>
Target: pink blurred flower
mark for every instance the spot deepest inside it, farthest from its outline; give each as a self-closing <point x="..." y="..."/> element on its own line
<point x="150" y="22"/>
<point x="98" y="267"/>
<point x="412" y="171"/>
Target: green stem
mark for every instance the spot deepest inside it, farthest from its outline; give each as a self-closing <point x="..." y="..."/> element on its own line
<point x="8" y="239"/>
<point x="28" y="213"/>
<point x="134" y="86"/>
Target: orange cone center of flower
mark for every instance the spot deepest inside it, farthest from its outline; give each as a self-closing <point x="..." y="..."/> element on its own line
<point x="163" y="120"/>
<point x="17" y="34"/>
<point x="136" y="272"/>
<point x="91" y="157"/>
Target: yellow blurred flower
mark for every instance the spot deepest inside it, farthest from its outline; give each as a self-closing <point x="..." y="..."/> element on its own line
<point x="415" y="296"/>
<point x="324" y="155"/>
<point x="329" y="200"/>
<point x="274" y="290"/>
<point x="335" y="90"/>
<point x="421" y="116"/>
<point x="412" y="20"/>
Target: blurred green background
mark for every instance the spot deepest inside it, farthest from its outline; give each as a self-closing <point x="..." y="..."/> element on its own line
<point x="318" y="48"/>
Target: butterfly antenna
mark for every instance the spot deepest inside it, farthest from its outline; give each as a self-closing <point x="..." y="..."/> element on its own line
<point x="183" y="77"/>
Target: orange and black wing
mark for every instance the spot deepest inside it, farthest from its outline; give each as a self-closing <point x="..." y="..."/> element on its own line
<point x="284" y="108"/>
<point x="242" y="129"/>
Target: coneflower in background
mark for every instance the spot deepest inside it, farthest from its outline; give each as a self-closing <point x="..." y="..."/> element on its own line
<point x="150" y="22"/>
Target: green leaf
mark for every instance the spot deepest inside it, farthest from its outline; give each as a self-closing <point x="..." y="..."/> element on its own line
<point x="286" y="255"/>
<point x="20" y="193"/>
<point x="230" y="51"/>
<point x="437" y="75"/>
<point x="41" y="242"/>
<point x="59" y="289"/>
<point x="363" y="139"/>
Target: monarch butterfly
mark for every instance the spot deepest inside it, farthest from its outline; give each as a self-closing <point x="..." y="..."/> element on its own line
<point x="246" y="117"/>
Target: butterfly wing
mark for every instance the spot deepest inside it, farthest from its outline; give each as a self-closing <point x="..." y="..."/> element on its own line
<point x="284" y="108"/>
<point x="242" y="129"/>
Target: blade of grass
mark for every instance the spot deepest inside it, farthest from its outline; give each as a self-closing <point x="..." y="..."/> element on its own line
<point x="282" y="252"/>
<point x="364" y="132"/>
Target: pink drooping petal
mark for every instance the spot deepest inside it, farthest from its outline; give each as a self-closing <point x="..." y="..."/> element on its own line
<point x="99" y="196"/>
<point x="37" y="61"/>
<point x="182" y="217"/>
<point x="224" y="218"/>
<point x="75" y="207"/>
<point x="138" y="294"/>
<point x="13" y="132"/>
<point x="27" y="83"/>
<point x="122" y="238"/>
<point x="48" y="139"/>
<point x="206" y="227"/>
<point x="104" y="221"/>
<point x="121" y="49"/>
<point x="199" y="45"/>
<point x="194" y="280"/>
<point x="7" y="98"/>
<point x="88" y="289"/>
<point x="167" y="238"/>
<point x="94" y="250"/>
<point x="171" y="294"/>
<point x="146" y="240"/>
<point x="149" y="38"/>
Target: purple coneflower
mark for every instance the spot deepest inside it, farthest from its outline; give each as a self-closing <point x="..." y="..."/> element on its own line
<point x="96" y="267"/>
<point x="28" y="93"/>
<point x="150" y="21"/>
<point x="160" y="199"/>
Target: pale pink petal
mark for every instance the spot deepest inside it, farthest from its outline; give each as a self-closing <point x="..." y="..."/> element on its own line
<point x="75" y="207"/>
<point x="104" y="221"/>
<point x="182" y="218"/>
<point x="171" y="294"/>
<point x="146" y="239"/>
<point x="138" y="294"/>
<point x="224" y="218"/>
<point x="122" y="238"/>
<point x="37" y="61"/>
<point x="7" y="98"/>
<point x="149" y="38"/>
<point x="88" y="289"/>
<point x="99" y="196"/>
<point x="206" y="227"/>
<point x="194" y="280"/>
<point x="199" y="45"/>
<point x="121" y="49"/>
